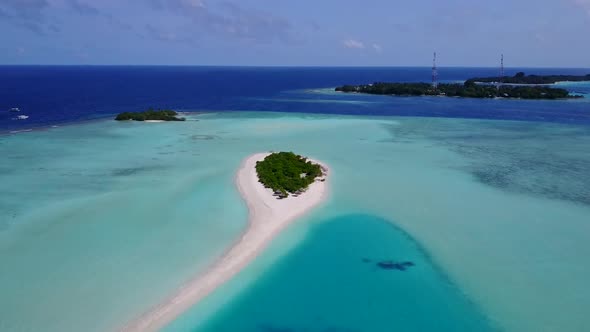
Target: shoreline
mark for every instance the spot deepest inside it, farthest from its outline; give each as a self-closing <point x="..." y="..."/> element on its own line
<point x="267" y="217"/>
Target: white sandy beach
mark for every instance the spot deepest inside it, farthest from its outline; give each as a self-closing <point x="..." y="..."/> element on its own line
<point x="268" y="216"/>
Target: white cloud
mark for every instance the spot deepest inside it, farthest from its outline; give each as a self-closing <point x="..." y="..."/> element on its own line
<point x="352" y="43"/>
<point x="584" y="4"/>
<point x="360" y="45"/>
<point x="196" y="3"/>
<point x="166" y="35"/>
<point x="230" y="19"/>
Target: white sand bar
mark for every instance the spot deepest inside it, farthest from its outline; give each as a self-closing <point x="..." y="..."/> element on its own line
<point x="268" y="216"/>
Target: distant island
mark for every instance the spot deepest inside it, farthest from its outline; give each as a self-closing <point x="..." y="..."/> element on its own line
<point x="470" y="89"/>
<point x="286" y="172"/>
<point x="150" y="115"/>
<point x="522" y="78"/>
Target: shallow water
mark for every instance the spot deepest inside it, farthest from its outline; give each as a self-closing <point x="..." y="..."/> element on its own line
<point x="99" y="221"/>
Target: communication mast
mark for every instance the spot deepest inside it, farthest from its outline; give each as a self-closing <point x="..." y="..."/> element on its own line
<point x="502" y="67"/>
<point x="434" y="73"/>
<point x="501" y="78"/>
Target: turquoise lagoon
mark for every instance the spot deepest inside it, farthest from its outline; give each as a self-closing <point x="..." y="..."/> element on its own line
<point x="99" y="221"/>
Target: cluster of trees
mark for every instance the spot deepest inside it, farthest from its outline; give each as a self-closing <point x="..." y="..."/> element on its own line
<point x="522" y="78"/>
<point x="468" y="90"/>
<point x="534" y="92"/>
<point x="471" y="90"/>
<point x="399" y="89"/>
<point x="150" y="114"/>
<point x="282" y="171"/>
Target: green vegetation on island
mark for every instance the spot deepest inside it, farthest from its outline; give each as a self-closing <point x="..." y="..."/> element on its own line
<point x="522" y="78"/>
<point x="150" y="115"/>
<point x="286" y="172"/>
<point x="468" y="90"/>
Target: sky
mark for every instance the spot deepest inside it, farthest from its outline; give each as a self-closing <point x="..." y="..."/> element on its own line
<point x="530" y="33"/>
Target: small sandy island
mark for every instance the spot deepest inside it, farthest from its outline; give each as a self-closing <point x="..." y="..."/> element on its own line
<point x="268" y="216"/>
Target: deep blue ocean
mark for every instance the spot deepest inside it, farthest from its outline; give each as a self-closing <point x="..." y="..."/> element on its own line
<point x="53" y="95"/>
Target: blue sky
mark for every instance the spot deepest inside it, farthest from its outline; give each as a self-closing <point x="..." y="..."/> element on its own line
<point x="533" y="33"/>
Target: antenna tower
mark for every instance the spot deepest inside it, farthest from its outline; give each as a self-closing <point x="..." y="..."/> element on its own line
<point x="434" y="73"/>
<point x="501" y="79"/>
<point x="502" y="67"/>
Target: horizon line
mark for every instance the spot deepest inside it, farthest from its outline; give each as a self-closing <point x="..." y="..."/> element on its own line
<point x="276" y="66"/>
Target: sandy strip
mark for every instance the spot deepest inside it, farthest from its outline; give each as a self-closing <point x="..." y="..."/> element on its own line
<point x="268" y="216"/>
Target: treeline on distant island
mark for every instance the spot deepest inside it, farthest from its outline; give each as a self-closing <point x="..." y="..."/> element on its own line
<point x="283" y="171"/>
<point x="468" y="90"/>
<point x="150" y="114"/>
<point x="522" y="78"/>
